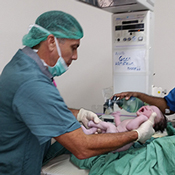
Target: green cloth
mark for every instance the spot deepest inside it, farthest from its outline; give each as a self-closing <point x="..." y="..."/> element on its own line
<point x="155" y="157"/>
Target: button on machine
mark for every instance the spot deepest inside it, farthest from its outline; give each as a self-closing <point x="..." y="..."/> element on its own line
<point x="129" y="39"/>
<point x="140" y="38"/>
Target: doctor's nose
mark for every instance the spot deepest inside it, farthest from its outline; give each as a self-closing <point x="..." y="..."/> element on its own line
<point x="75" y="55"/>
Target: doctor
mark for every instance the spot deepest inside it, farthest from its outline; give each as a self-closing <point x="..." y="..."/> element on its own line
<point x="32" y="110"/>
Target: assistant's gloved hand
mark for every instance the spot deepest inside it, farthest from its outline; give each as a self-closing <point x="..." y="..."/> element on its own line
<point x="85" y="116"/>
<point x="145" y="131"/>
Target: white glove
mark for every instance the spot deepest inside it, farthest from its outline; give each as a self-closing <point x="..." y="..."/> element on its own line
<point x="145" y="131"/>
<point x="85" y="116"/>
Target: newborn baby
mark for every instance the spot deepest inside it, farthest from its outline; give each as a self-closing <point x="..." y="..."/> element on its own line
<point x="143" y="114"/>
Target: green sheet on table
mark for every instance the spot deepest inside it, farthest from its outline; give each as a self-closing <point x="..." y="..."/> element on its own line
<point x="155" y="157"/>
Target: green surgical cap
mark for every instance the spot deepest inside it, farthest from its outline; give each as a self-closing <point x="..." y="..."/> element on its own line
<point x="58" y="23"/>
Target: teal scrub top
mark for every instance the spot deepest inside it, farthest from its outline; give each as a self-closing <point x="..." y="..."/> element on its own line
<point x="32" y="111"/>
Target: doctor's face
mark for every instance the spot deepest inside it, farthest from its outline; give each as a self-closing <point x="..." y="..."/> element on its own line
<point x="68" y="49"/>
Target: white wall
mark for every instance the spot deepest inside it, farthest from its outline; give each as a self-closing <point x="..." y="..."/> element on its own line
<point x="82" y="84"/>
<point x="164" y="46"/>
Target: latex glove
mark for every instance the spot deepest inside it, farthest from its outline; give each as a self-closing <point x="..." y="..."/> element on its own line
<point x="85" y="116"/>
<point x="145" y="131"/>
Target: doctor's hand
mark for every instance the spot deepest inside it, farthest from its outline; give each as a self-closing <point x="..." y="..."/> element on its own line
<point x="145" y="131"/>
<point x="85" y="116"/>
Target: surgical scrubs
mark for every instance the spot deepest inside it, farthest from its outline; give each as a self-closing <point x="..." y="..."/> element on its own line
<point x="32" y="111"/>
<point x="170" y="99"/>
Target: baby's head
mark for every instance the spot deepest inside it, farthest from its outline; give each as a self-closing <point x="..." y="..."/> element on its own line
<point x="160" y="120"/>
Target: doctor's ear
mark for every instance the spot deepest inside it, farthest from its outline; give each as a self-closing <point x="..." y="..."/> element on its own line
<point x="51" y="42"/>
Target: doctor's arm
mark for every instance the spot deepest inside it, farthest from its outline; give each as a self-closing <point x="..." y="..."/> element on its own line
<point x="74" y="111"/>
<point x="84" y="146"/>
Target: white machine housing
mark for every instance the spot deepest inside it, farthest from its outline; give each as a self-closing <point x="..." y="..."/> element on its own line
<point x="132" y="40"/>
<point x="118" y="6"/>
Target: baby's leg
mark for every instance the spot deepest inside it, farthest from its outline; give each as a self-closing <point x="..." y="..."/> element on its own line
<point x="88" y="131"/>
<point x="104" y="126"/>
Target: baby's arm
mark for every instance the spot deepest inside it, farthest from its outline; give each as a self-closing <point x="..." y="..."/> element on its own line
<point x="116" y="116"/>
<point x="136" y="122"/>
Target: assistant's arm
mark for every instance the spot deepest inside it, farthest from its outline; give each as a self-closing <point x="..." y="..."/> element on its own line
<point x="151" y="100"/>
